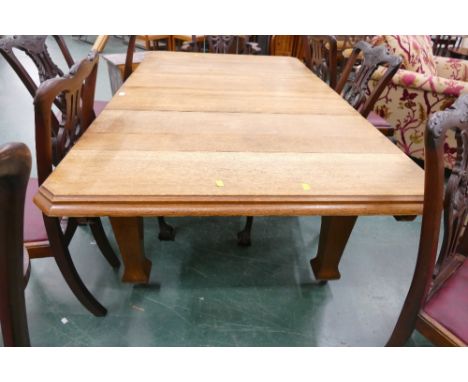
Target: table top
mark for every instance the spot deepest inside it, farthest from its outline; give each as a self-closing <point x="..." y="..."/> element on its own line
<point x="205" y="134"/>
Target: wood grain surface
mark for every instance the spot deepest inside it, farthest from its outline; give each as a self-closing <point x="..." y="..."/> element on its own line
<point x="280" y="140"/>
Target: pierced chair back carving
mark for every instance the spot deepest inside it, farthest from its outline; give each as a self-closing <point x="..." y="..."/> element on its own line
<point x="15" y="165"/>
<point x="232" y="44"/>
<point x="430" y="275"/>
<point x="77" y="90"/>
<point x="221" y="43"/>
<point x="36" y="49"/>
<point x="320" y="56"/>
<point x="353" y="84"/>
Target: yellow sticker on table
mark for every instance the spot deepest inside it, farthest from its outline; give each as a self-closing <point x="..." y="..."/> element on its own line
<point x="219" y="183"/>
<point x="306" y="186"/>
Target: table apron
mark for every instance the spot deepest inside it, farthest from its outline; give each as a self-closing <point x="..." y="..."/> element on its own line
<point x="229" y="209"/>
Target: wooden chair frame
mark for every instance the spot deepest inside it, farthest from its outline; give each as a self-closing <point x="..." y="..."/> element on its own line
<point x="36" y="49"/>
<point x="15" y="166"/>
<point x="77" y="91"/>
<point x="355" y="90"/>
<point x="222" y="44"/>
<point x="319" y="59"/>
<point x="432" y="271"/>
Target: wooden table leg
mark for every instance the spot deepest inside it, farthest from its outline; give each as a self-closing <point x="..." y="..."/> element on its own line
<point x="334" y="234"/>
<point x="129" y="235"/>
<point x="171" y="43"/>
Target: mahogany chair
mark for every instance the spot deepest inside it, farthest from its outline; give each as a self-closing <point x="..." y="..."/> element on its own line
<point x="36" y="49"/>
<point x="15" y="166"/>
<point x="353" y="87"/>
<point x="232" y="44"/>
<point x="437" y="301"/>
<point x="53" y="141"/>
<point x="35" y="235"/>
<point x="320" y="55"/>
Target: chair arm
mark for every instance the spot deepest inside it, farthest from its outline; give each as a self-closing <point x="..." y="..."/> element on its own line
<point x="452" y="68"/>
<point x="419" y="81"/>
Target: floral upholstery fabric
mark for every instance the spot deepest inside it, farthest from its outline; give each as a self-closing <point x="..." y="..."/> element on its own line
<point x="452" y="68"/>
<point x="415" y="51"/>
<point x="412" y="97"/>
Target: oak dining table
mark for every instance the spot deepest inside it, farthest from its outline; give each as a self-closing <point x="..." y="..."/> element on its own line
<point x="196" y="134"/>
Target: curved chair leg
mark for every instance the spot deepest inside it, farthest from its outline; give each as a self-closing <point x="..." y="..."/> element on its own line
<point x="166" y="231"/>
<point x="67" y="268"/>
<point x="400" y="335"/>
<point x="243" y="237"/>
<point x="103" y="243"/>
<point x="72" y="225"/>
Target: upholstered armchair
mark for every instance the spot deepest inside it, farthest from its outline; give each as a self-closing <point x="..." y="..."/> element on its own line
<point x="425" y="85"/>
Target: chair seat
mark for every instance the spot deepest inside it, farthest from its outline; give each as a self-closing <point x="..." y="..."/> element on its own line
<point x="381" y="124"/>
<point x="99" y="106"/>
<point x="34" y="228"/>
<point x="449" y="305"/>
<point x="377" y="120"/>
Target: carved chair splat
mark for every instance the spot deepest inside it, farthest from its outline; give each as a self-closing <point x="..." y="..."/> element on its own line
<point x="320" y="56"/>
<point x="355" y="90"/>
<point x="223" y="44"/>
<point x="36" y="49"/>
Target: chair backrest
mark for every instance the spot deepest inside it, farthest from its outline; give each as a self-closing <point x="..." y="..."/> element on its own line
<point x="354" y="85"/>
<point x="36" y="49"/>
<point x="442" y="44"/>
<point x="76" y="89"/>
<point x="128" y="69"/>
<point x="15" y="165"/>
<point x="429" y="275"/>
<point x="233" y="44"/>
<point x="320" y="56"/>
